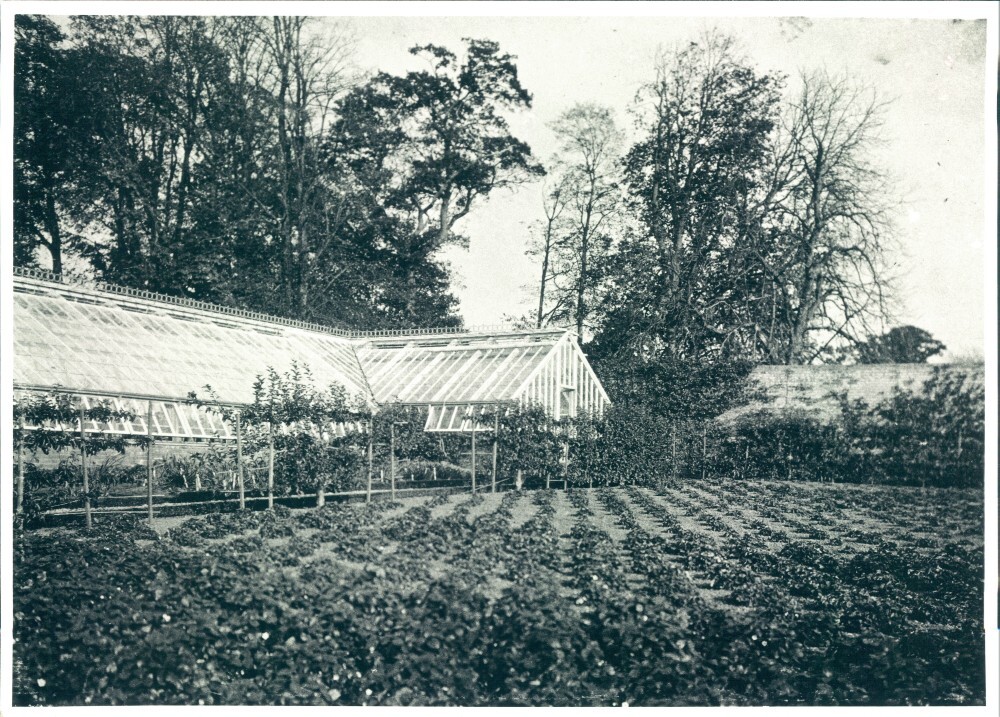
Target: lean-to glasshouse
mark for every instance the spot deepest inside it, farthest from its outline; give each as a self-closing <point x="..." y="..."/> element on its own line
<point x="135" y="348"/>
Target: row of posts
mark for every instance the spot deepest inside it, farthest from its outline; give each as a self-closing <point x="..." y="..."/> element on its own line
<point x="88" y="517"/>
<point x="392" y="458"/>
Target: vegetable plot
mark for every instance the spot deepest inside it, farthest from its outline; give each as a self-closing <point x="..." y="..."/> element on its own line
<point x="700" y="593"/>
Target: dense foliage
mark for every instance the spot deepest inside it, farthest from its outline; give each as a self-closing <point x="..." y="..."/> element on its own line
<point x="901" y="344"/>
<point x="321" y="438"/>
<point x="704" y="593"/>
<point x="213" y="468"/>
<point x="677" y="388"/>
<point x="62" y="484"/>
<point x="929" y="436"/>
<point x="933" y="435"/>
<point x="50" y="423"/>
<point x="530" y="443"/>
<point x="241" y="160"/>
<point x="749" y="224"/>
<point x="314" y="437"/>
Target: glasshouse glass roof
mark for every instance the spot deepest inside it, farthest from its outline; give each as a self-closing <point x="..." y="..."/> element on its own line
<point x="135" y="347"/>
<point x="87" y="341"/>
<point x="482" y="369"/>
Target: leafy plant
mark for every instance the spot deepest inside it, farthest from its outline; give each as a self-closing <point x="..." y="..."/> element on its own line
<point x="212" y="468"/>
<point x="300" y="424"/>
<point x="530" y="443"/>
<point x="242" y="608"/>
<point x="50" y="423"/>
<point x="933" y="436"/>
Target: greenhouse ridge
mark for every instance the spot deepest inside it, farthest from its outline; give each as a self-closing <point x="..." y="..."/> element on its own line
<point x="133" y="347"/>
<point x="48" y="276"/>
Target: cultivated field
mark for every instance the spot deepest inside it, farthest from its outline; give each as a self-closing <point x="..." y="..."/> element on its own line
<point x="700" y="593"/>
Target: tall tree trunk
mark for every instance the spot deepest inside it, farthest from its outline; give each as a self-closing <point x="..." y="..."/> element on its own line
<point x="302" y="310"/>
<point x="581" y="309"/>
<point x="810" y="288"/>
<point x="445" y="218"/>
<point x="545" y="272"/>
<point x="193" y="100"/>
<point x="54" y="244"/>
<point x="581" y="285"/>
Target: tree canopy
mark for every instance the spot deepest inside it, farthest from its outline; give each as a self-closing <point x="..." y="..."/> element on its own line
<point x="902" y="344"/>
<point x="239" y="160"/>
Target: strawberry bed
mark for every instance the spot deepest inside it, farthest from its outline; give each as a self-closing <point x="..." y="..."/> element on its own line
<point x="696" y="594"/>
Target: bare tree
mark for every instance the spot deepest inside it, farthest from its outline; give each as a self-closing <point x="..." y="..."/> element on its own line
<point x="579" y="212"/>
<point x="307" y="74"/>
<point x="590" y="144"/>
<point x="553" y="204"/>
<point x="831" y="221"/>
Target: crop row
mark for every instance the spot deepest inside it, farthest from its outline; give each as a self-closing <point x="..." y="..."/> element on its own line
<point x="895" y="587"/>
<point x="384" y="605"/>
<point x="861" y="611"/>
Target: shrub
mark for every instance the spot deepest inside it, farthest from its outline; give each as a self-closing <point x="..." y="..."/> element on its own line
<point x="295" y="418"/>
<point x="932" y="436"/>
<point x="793" y="445"/>
<point x="421" y="469"/>
<point x="530" y="442"/>
<point x="211" y="469"/>
<point x="46" y="488"/>
<point x="46" y="423"/>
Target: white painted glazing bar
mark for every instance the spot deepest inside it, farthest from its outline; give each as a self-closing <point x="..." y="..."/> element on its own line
<point x="442" y="393"/>
<point x="499" y="373"/>
<point x="418" y="376"/>
<point x="399" y="354"/>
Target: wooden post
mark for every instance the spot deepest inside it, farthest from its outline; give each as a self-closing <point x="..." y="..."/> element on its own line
<point x="239" y="461"/>
<point x="371" y="440"/>
<point x="704" y="447"/>
<point x="673" y="449"/>
<point x="20" y="465"/>
<point x="270" y="465"/>
<point x="496" y="441"/>
<point x="392" y="459"/>
<point x="83" y="464"/>
<point x="566" y="465"/>
<point x="473" y="454"/>
<point x="149" y="459"/>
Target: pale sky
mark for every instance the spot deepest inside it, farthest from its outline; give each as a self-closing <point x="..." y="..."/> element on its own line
<point x="934" y="133"/>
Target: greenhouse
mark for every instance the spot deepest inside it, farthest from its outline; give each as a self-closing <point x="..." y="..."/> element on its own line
<point x="147" y="353"/>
